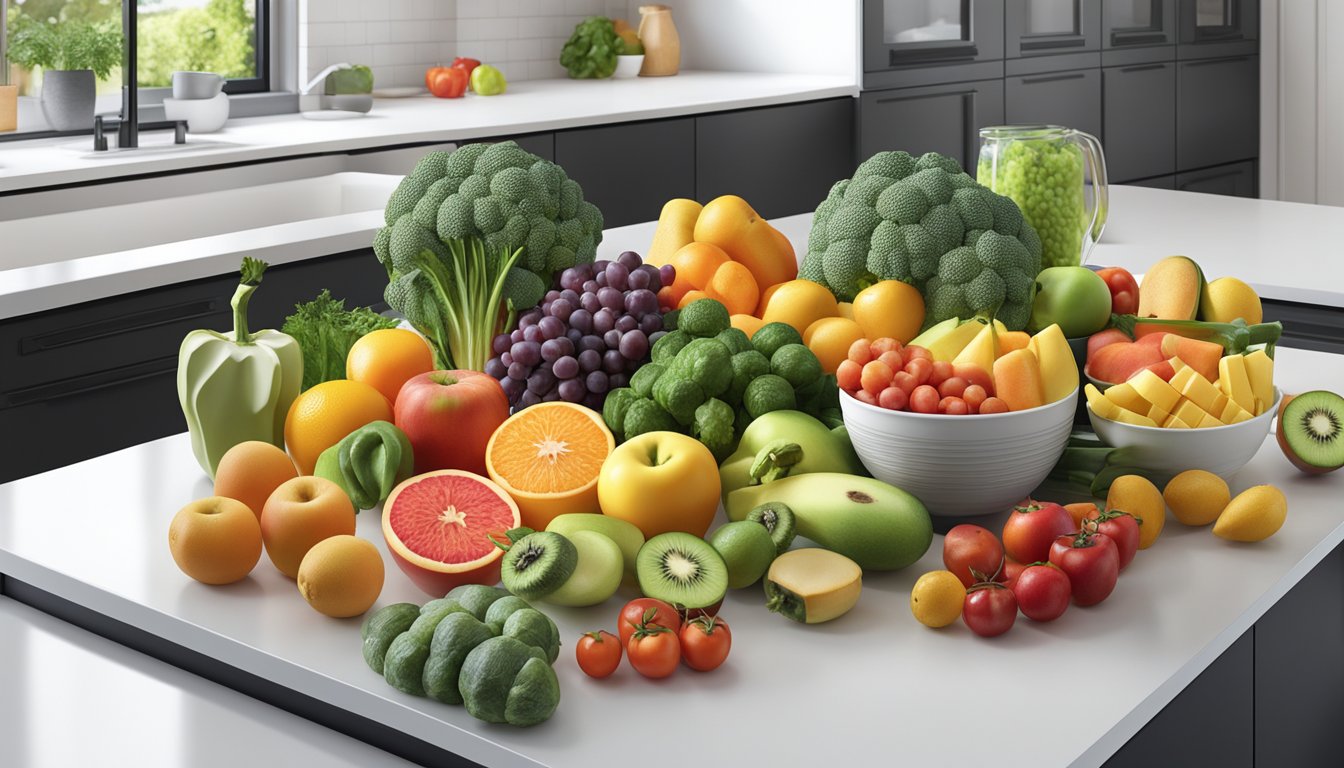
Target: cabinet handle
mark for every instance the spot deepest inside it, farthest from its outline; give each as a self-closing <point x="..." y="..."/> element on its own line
<point x="83" y="384"/>
<point x="1120" y="39"/>
<point x="1208" y="62"/>
<point x="1143" y="67"/>
<point x="1051" y="43"/>
<point x="1053" y="78"/>
<point x="113" y="326"/>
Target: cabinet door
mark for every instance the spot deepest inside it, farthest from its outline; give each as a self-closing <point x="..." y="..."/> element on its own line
<point x="1071" y="99"/>
<point x="1137" y="23"/>
<point x="628" y="171"/>
<point x="1219" y="21"/>
<point x="1140" y="126"/>
<point x="1157" y="182"/>
<point x="782" y="160"/>
<point x="1217" y="111"/>
<point x="1046" y="27"/>
<point x="1236" y="179"/>
<point x="941" y="118"/>
<point x="899" y="33"/>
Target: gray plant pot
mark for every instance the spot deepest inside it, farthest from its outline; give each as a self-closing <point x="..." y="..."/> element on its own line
<point x="67" y="98"/>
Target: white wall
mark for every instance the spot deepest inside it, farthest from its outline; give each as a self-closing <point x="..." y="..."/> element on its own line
<point x="1302" y="101"/>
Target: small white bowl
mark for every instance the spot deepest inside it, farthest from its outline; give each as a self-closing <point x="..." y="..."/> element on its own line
<point x="1168" y="452"/>
<point x="202" y="115"/>
<point x="628" y="66"/>
<point x="961" y="466"/>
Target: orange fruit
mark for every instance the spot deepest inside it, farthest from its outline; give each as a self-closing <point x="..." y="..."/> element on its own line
<point x="300" y="513"/>
<point x="251" y="471"/>
<point x="748" y="324"/>
<point x="547" y="458"/>
<point x="800" y="303"/>
<point x="734" y="287"/>
<point x="215" y="540"/>
<point x="830" y="339"/>
<point x="341" y="576"/>
<point x="321" y="416"/>
<point x="387" y="358"/>
<point x="696" y="264"/>
<point x="691" y="296"/>
<point x="889" y="309"/>
<point x="766" y="293"/>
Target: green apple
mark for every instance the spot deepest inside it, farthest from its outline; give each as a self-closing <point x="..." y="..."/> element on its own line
<point x="626" y="535"/>
<point x="597" y="574"/>
<point x="1074" y="297"/>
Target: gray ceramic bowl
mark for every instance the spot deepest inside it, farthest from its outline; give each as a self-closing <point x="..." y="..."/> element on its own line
<point x="196" y="85"/>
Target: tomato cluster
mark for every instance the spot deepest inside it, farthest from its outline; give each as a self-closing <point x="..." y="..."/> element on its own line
<point x="1047" y="558"/>
<point x="907" y="378"/>
<point x="656" y="637"/>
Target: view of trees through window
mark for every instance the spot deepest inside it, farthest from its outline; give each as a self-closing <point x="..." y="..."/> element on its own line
<point x="198" y="35"/>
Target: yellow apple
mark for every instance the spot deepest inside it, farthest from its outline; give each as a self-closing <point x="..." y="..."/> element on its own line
<point x="660" y="482"/>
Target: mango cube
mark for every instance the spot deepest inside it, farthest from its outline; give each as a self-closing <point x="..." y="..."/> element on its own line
<point x="1199" y="391"/>
<point x="1158" y="415"/>
<point x="1129" y="417"/>
<point x="1174" y="422"/>
<point x="1182" y="376"/>
<point x="1234" y="382"/>
<point x="1124" y="396"/>
<point x="1229" y="413"/>
<point x="1156" y="391"/>
<point x="1101" y="405"/>
<point x="1208" y="421"/>
<point x="1190" y="413"/>
<point x="1260" y="370"/>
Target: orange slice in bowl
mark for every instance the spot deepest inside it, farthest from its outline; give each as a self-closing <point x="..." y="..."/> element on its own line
<point x="547" y="457"/>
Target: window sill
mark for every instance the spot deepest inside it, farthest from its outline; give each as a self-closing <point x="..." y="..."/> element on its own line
<point x="33" y="125"/>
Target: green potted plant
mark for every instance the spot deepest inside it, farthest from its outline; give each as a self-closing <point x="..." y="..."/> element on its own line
<point x="73" y="56"/>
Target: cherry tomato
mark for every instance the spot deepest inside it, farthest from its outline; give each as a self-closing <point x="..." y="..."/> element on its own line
<point x="1124" y="290"/>
<point x="914" y="352"/>
<point x="1079" y="511"/>
<point x="920" y="370"/>
<point x="860" y="351"/>
<point x="1042" y="592"/>
<point x="990" y="609"/>
<point x="974" y="396"/>
<point x="953" y="406"/>
<point x="1032" y="527"/>
<point x="864" y="396"/>
<point x="705" y="642"/>
<point x="654" y="650"/>
<point x="1092" y="563"/>
<point x="924" y="399"/>
<point x="884" y="344"/>
<point x="598" y="653"/>
<point x="634" y="613"/>
<point x="1011" y="570"/>
<point x="875" y="376"/>
<point x="847" y="375"/>
<point x="893" y="398"/>
<point x="972" y="553"/>
<point x="448" y="83"/>
<point x="940" y="372"/>
<point x="993" y="405"/>
<point x="429" y="75"/>
<point x="953" y="386"/>
<point x="904" y="381"/>
<point x="1123" y="528"/>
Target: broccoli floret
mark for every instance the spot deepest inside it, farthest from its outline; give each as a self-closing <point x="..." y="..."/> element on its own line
<point x="713" y="427"/>
<point x="522" y="289"/>
<point x="703" y="318"/>
<point x="670" y="320"/>
<point x="643" y="415"/>
<point x="615" y="408"/>
<point x="666" y="348"/>
<point x="768" y="393"/>
<point x="735" y="339"/>
<point x="903" y="218"/>
<point x="644" y="379"/>
<point x="770" y="337"/>
<point x="746" y="366"/>
<point x="796" y="364"/>
<point x="708" y="363"/>
<point x="679" y="396"/>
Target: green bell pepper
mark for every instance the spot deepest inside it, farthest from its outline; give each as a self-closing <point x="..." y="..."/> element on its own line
<point x="368" y="463"/>
<point x="780" y="443"/>
<point x="239" y="386"/>
<point x="487" y="81"/>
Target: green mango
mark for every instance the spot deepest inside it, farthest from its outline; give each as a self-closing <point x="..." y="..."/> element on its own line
<point x="808" y="446"/>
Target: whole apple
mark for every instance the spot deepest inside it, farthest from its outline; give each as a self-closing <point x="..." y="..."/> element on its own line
<point x="449" y="417"/>
<point x="660" y="482"/>
<point x="1075" y="297"/>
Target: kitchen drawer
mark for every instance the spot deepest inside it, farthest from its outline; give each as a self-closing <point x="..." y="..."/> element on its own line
<point x="1236" y="179"/>
<point x="1071" y="99"/>
<point x="782" y="160"/>
<point x="1217" y="111"/>
<point x="629" y="170"/>
<point x="1050" y="27"/>
<point x="1157" y="182"/>
<point x="941" y="118"/>
<point x="1139" y="104"/>
<point x="1308" y="326"/>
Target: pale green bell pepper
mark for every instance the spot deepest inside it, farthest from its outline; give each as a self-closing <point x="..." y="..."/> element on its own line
<point x="237" y="387"/>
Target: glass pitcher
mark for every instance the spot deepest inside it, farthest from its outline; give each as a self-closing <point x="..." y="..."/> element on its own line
<point x="1057" y="176"/>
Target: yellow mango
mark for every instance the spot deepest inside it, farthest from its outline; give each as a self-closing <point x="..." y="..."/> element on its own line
<point x="676" y="228"/>
<point x="1059" y="369"/>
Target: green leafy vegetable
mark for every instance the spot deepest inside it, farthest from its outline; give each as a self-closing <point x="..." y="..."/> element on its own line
<point x="326" y="330"/>
<point x="357" y="79"/>
<point x="65" y="44"/>
<point x="592" y="50"/>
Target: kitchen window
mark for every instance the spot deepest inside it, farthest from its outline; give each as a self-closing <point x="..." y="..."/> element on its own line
<point x="230" y="37"/>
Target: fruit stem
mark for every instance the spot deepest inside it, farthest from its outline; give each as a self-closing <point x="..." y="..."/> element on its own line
<point x="251" y="270"/>
<point x="775" y="461"/>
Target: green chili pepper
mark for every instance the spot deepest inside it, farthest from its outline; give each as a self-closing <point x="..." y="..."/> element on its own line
<point x="1236" y="337"/>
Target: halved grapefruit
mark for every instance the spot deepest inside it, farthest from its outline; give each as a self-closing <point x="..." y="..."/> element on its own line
<point x="438" y="528"/>
<point x="547" y="458"/>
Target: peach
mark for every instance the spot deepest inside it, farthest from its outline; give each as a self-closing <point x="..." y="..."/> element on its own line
<point x="215" y="540"/>
<point x="250" y="471"/>
<point x="1105" y="338"/>
<point x="1203" y="356"/>
<point x="299" y="514"/>
<point x="1117" y="362"/>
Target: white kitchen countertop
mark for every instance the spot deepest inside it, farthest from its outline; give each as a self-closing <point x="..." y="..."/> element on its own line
<point x="858" y="690"/>
<point x="528" y="106"/>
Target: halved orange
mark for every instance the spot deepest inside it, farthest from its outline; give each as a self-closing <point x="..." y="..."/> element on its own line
<point x="547" y="458"/>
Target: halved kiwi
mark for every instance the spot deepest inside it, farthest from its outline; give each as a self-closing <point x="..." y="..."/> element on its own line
<point x="538" y="564"/>
<point x="778" y="520"/>
<point x="1311" y="431"/>
<point x="681" y="569"/>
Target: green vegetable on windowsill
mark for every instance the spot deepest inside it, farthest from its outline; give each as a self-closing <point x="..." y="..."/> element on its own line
<point x="590" y="53"/>
<point x="326" y="330"/>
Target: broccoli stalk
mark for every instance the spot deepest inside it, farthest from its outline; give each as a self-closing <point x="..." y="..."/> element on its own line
<point x="468" y="288"/>
<point x="1236" y="337"/>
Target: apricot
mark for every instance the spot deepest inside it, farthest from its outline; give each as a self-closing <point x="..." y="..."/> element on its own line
<point x="215" y="540"/>
<point x="251" y="471"/>
<point x="299" y="514"/>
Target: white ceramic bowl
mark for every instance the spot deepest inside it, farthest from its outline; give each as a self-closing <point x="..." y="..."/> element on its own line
<point x="628" y="66"/>
<point x="1168" y="452"/>
<point x="961" y="466"/>
<point x="202" y="115"/>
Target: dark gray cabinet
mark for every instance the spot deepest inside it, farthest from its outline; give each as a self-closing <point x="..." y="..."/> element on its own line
<point x="540" y="144"/>
<point x="1217" y="27"/>
<point x="1128" y="24"/>
<point x="1217" y="111"/>
<point x="933" y="41"/>
<point x="1139" y="104"/>
<point x="1308" y="326"/>
<point x="1156" y="182"/>
<point x="629" y="170"/>
<point x="943" y="118"/>
<point x="1072" y="99"/>
<point x="783" y="160"/>
<point x="1050" y="27"/>
<point x="1236" y="179"/>
<point x="84" y="380"/>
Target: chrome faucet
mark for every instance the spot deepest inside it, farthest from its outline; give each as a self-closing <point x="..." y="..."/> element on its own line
<point x="128" y="122"/>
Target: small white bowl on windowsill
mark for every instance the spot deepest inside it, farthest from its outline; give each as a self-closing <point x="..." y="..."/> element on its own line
<point x="202" y="115"/>
<point x="628" y="66"/>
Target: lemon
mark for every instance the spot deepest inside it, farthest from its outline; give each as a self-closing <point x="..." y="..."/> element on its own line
<point x="1254" y="515"/>
<point x="937" y="598"/>
<point x="1196" y="497"/>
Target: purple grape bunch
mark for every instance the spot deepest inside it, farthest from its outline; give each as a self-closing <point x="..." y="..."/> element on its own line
<point x="593" y="329"/>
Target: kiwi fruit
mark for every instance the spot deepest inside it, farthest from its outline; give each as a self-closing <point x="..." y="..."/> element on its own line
<point x="538" y="564"/>
<point x="778" y="520"/>
<point x="747" y="550"/>
<point x="1311" y="431"/>
<point x="681" y="569"/>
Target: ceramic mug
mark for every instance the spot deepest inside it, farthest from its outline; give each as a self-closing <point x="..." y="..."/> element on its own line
<point x="196" y="85"/>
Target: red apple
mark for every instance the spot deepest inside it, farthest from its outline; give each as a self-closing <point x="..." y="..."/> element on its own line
<point x="1105" y="338"/>
<point x="449" y="417"/>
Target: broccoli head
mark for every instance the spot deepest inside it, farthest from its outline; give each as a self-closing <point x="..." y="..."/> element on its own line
<point x="708" y="363"/>
<point x="923" y="221"/>
<point x="768" y="393"/>
<point x="713" y="427"/>
<point x="644" y="415"/>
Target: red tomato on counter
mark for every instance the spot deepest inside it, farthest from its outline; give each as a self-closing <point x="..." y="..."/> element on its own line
<point x="1124" y="290"/>
<point x="1091" y="562"/>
